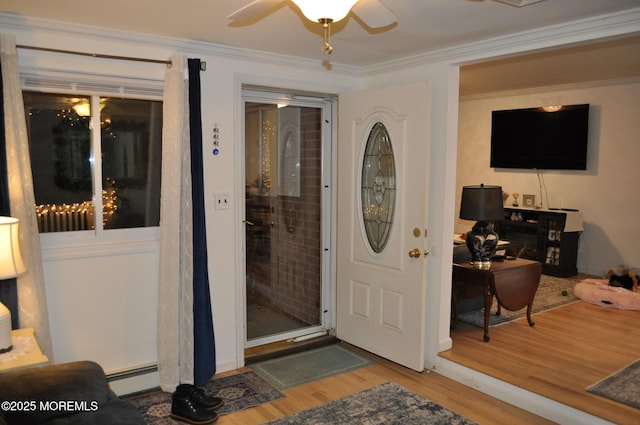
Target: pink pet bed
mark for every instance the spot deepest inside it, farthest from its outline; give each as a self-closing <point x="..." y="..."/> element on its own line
<point x="597" y="291"/>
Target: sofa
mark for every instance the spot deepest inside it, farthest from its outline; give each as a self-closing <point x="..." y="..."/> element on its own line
<point x="63" y="394"/>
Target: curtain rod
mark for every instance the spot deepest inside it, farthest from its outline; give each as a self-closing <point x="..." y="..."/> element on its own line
<point x="95" y="55"/>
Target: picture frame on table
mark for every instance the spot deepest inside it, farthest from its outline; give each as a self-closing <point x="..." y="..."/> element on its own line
<point x="529" y="201"/>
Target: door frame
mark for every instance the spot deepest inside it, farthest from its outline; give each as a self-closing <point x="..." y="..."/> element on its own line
<point x="328" y="105"/>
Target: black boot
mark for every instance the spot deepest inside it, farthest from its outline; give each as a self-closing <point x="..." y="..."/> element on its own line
<point x="185" y="409"/>
<point x="199" y="397"/>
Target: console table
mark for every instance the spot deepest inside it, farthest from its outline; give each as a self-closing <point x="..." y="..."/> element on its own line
<point x="513" y="282"/>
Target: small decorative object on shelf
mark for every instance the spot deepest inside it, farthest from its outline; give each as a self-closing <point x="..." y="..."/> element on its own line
<point x="516" y="216"/>
<point x="515" y="199"/>
<point x="528" y="201"/>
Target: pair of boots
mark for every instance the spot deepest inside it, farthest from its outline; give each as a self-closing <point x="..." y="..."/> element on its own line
<point x="190" y="404"/>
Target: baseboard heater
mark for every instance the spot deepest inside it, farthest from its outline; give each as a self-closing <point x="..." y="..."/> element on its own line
<point x="132" y="373"/>
<point x="134" y="380"/>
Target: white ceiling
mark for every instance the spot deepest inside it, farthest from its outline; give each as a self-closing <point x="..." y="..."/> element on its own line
<point x="422" y="26"/>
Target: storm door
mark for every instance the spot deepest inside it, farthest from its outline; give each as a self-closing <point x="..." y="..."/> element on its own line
<point x="286" y="196"/>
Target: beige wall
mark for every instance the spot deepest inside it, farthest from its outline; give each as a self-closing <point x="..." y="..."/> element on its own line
<point x="607" y="193"/>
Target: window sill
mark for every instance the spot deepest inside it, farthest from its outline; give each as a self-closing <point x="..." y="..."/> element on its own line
<point x="85" y="244"/>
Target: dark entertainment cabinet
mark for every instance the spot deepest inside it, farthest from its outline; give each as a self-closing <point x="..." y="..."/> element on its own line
<point x="548" y="236"/>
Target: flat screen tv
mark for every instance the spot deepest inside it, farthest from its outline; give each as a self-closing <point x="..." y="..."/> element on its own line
<point x="533" y="138"/>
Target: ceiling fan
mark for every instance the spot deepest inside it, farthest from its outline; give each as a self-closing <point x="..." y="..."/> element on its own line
<point x="516" y="3"/>
<point x="373" y="13"/>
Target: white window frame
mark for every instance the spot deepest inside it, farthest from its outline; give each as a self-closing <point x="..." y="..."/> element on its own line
<point x="77" y="241"/>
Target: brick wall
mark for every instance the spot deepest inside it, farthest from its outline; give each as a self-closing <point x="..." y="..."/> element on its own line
<point x="296" y="250"/>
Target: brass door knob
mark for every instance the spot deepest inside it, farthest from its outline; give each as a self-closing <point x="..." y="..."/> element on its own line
<point x="414" y="253"/>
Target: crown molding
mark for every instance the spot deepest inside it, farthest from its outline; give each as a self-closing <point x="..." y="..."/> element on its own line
<point x="590" y="29"/>
<point x="585" y="30"/>
<point x="23" y="27"/>
<point x="555" y="88"/>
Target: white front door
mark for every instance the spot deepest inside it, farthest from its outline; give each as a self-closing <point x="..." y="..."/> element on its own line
<point x="382" y="217"/>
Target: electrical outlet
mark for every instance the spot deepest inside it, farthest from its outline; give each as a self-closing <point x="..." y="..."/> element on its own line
<point x="223" y="200"/>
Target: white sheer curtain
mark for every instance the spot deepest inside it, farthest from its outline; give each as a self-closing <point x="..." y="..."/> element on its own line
<point x="175" y="290"/>
<point x="32" y="302"/>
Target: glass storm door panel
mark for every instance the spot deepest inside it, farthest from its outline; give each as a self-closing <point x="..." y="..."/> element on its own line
<point x="378" y="187"/>
<point x="283" y="164"/>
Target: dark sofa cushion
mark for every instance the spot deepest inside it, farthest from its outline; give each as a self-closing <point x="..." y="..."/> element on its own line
<point x="83" y="384"/>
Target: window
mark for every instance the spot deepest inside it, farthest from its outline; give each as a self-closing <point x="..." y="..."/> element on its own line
<point x="81" y="146"/>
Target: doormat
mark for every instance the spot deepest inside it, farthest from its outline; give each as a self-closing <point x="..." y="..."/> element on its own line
<point x="623" y="386"/>
<point x="388" y="403"/>
<point x="301" y="368"/>
<point x="550" y="295"/>
<point x="239" y="391"/>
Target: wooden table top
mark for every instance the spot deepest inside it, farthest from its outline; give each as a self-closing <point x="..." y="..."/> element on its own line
<point x="497" y="266"/>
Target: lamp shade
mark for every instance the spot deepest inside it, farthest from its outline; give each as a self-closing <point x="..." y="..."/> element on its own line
<point x="314" y="10"/>
<point x="11" y="264"/>
<point x="482" y="203"/>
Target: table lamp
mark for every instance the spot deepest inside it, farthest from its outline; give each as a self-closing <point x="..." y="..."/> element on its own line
<point x="11" y="265"/>
<point x="484" y="204"/>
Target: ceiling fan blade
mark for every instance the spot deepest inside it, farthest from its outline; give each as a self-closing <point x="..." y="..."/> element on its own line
<point x="253" y="9"/>
<point x="374" y="14"/>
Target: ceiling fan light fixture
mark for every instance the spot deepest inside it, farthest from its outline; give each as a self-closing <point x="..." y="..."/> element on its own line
<point x="519" y="3"/>
<point x="315" y="10"/>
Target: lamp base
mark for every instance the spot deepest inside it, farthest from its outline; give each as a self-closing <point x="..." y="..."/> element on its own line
<point x="482" y="242"/>
<point x="481" y="264"/>
<point x="6" y="344"/>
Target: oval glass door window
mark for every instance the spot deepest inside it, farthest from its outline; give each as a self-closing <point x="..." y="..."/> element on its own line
<point x="378" y="187"/>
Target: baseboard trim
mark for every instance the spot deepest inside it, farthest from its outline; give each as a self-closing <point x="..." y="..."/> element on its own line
<point x="534" y="403"/>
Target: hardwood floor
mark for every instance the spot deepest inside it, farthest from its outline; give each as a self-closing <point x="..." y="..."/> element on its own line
<point x="568" y="349"/>
<point x="463" y="400"/>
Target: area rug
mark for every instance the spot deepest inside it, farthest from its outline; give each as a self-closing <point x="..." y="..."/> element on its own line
<point x="297" y="369"/>
<point x="385" y="404"/>
<point x="623" y="386"/>
<point x="552" y="292"/>
<point x="239" y="391"/>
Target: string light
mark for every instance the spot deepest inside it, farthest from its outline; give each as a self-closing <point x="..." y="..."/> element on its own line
<point x="79" y="215"/>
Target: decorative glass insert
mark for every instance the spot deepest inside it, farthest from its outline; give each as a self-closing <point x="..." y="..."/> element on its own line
<point x="378" y="187"/>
